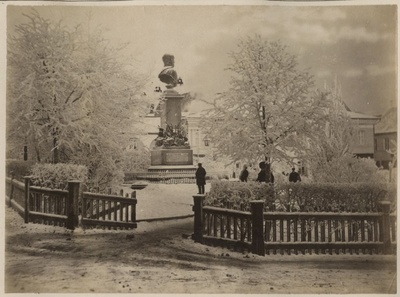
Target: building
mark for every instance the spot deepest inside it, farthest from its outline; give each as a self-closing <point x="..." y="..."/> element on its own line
<point x="385" y="140"/>
<point x="363" y="141"/>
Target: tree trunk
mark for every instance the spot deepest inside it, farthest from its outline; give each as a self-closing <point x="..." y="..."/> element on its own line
<point x="55" y="151"/>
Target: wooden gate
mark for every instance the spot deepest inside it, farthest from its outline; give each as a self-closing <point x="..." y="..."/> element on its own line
<point x="111" y="211"/>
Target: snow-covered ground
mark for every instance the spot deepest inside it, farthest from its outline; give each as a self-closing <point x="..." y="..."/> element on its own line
<point x="164" y="200"/>
<point x="160" y="257"/>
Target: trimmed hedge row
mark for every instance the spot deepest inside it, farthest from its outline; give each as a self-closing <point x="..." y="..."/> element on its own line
<point x="57" y="175"/>
<point x="304" y="197"/>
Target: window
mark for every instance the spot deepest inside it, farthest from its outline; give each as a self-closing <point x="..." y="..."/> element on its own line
<point x="387" y="147"/>
<point x="361" y="137"/>
<point x="375" y="144"/>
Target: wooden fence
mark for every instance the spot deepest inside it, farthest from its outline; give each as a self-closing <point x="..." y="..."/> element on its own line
<point x="15" y="191"/>
<point x="294" y="232"/>
<point x="64" y="207"/>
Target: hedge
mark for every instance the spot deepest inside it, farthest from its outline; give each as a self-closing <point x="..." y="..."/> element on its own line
<point x="18" y="168"/>
<point x="57" y="175"/>
<point x="304" y="197"/>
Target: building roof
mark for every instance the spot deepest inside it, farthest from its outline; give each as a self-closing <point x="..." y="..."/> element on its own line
<point x="388" y="123"/>
<point x="357" y="115"/>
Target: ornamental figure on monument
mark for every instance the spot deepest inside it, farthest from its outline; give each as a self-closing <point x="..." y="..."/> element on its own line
<point x="168" y="75"/>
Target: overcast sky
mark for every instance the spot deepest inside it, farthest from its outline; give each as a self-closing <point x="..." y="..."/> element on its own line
<point x="356" y="44"/>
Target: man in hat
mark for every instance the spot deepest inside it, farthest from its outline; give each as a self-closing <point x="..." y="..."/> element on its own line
<point x="294" y="176"/>
<point x="200" y="178"/>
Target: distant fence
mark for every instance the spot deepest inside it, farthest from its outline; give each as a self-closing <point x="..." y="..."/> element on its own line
<point x="163" y="177"/>
<point x="64" y="207"/>
<point x="295" y="232"/>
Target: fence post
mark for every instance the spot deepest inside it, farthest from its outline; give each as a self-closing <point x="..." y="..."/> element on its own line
<point x="72" y="204"/>
<point x="12" y="188"/>
<point x="257" y="218"/>
<point x="133" y="213"/>
<point x="198" y="218"/>
<point x="27" y="198"/>
<point x="387" y="244"/>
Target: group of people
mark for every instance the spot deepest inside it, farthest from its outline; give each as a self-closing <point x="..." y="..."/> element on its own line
<point x="263" y="175"/>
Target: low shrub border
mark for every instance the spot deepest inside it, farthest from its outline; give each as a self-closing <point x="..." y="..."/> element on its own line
<point x="56" y="176"/>
<point x="303" y="197"/>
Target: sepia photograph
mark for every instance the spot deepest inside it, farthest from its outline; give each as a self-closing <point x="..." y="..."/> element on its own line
<point x="186" y="148"/>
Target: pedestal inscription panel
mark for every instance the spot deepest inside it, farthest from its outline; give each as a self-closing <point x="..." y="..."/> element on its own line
<point x="175" y="157"/>
<point x="172" y="157"/>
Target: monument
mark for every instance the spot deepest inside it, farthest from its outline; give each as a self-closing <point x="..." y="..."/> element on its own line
<point x="171" y="147"/>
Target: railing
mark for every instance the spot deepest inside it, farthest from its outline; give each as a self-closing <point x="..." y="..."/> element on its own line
<point x="168" y="177"/>
<point x="109" y="211"/>
<point x="277" y="232"/>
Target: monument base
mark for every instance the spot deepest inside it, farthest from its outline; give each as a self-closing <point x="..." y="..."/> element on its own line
<point x="171" y="157"/>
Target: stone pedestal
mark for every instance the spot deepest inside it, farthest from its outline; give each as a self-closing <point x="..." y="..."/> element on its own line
<point x="171" y="114"/>
<point x="171" y="109"/>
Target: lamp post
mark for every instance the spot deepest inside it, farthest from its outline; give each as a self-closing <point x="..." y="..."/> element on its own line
<point x="198" y="145"/>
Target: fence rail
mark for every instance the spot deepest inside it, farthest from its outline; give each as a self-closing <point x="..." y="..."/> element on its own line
<point x="281" y="232"/>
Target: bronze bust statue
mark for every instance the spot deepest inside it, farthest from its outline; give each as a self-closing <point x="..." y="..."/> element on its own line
<point x="168" y="75"/>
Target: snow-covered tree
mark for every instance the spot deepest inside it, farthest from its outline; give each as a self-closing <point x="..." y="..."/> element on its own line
<point x="270" y="107"/>
<point x="335" y="133"/>
<point x="329" y="155"/>
<point x="70" y="95"/>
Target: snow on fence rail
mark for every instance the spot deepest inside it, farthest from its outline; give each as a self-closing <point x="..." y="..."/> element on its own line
<point x="295" y="232"/>
<point x="62" y="207"/>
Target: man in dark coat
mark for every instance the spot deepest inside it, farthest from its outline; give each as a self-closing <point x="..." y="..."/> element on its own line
<point x="200" y="178"/>
<point x="294" y="177"/>
<point x="244" y="174"/>
<point x="263" y="174"/>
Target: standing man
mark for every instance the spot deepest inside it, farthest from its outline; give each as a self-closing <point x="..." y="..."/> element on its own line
<point x="200" y="178"/>
<point x="244" y="174"/>
<point x="294" y="177"/>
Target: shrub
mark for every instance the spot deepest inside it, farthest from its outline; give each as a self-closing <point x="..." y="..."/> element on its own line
<point x="19" y="168"/>
<point x="346" y="169"/>
<point x="355" y="197"/>
<point x="57" y="175"/>
<point x="311" y="197"/>
<point x="237" y="195"/>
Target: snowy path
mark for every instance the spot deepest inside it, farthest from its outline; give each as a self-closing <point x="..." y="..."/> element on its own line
<point x="160" y="257"/>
